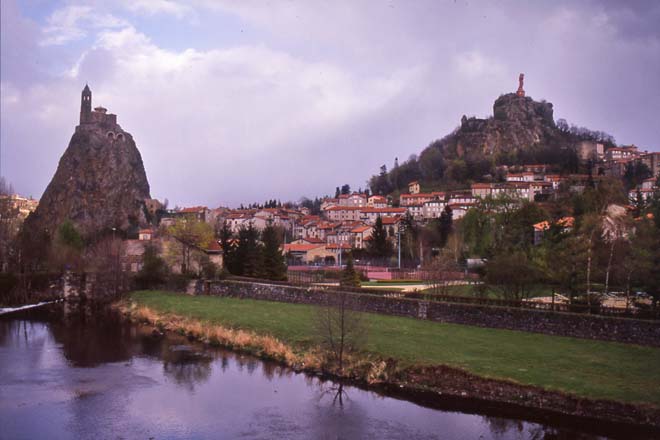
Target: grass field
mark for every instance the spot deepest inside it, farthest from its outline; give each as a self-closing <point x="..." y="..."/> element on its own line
<point x="593" y="369"/>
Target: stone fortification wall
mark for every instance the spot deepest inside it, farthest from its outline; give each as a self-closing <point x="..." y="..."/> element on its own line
<point x="538" y="321"/>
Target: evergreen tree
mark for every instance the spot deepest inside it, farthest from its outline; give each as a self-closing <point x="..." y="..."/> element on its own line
<point x="349" y="276"/>
<point x="228" y="249"/>
<point x="248" y="253"/>
<point x="445" y="225"/>
<point x="154" y="269"/>
<point x="337" y="193"/>
<point x="274" y="267"/>
<point x="379" y="246"/>
<point x="639" y="204"/>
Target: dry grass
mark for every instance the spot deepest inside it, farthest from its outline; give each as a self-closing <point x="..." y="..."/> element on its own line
<point x="262" y="345"/>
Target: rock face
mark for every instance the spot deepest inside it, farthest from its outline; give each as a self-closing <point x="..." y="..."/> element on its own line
<point x="518" y="122"/>
<point x="100" y="182"/>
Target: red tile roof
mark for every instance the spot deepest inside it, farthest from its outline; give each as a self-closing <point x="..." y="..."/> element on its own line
<point x="301" y="247"/>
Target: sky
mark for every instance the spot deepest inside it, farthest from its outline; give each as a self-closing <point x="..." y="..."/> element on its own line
<point x="235" y="102"/>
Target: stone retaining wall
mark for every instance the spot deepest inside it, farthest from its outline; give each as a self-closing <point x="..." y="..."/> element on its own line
<point x="539" y="321"/>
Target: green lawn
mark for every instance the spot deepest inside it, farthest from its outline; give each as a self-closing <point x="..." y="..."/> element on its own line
<point x="592" y="369"/>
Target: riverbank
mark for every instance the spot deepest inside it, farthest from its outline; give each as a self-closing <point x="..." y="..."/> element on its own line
<point x="593" y="379"/>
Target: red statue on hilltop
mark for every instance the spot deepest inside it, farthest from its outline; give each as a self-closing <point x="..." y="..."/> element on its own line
<point x="521" y="91"/>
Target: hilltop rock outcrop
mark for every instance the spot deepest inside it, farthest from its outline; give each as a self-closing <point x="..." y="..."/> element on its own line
<point x="100" y="182"/>
<point x="518" y="122"/>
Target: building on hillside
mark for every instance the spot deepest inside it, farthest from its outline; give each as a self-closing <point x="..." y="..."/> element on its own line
<point x="377" y="202"/>
<point x="652" y="160"/>
<point x="344" y="213"/>
<point x="369" y="215"/>
<point x="624" y="152"/>
<point x="416" y="211"/>
<point x="565" y="224"/>
<point x="433" y="209"/>
<point x="355" y="199"/>
<point x="360" y="236"/>
<point x="328" y="203"/>
<point x="198" y="213"/>
<point x="145" y="234"/>
<point x="414" y="188"/>
<point x="306" y="253"/>
<point x="520" y="177"/>
<point x="590" y="150"/>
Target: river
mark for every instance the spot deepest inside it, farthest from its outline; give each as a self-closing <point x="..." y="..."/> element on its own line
<point x="87" y="374"/>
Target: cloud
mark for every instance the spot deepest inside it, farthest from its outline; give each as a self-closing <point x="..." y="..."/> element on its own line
<point x="155" y="7"/>
<point x="245" y="101"/>
<point x="73" y="22"/>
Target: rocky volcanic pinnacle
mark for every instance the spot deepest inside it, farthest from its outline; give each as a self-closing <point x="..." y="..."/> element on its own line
<point x="518" y="122"/>
<point x="100" y="182"/>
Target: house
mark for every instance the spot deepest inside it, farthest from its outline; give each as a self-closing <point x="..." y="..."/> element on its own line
<point x="199" y="213"/>
<point x="413" y="187"/>
<point x="344" y="213"/>
<point x="335" y="249"/>
<point x="624" y="152"/>
<point x="377" y="202"/>
<point x="460" y="197"/>
<point x="520" y="177"/>
<point x="306" y="252"/>
<point x="360" y="236"/>
<point x="355" y="199"/>
<point x="652" y="160"/>
<point x="432" y="209"/>
<point x="565" y="224"/>
<point x="460" y="209"/>
<point x="481" y="190"/>
<point x="649" y="183"/>
<point x="590" y="150"/>
<point x="646" y="193"/>
<point x="145" y="234"/>
<point x="369" y="215"/>
<point x="416" y="211"/>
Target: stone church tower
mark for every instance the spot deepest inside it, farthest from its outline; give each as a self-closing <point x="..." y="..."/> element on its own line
<point x="86" y="105"/>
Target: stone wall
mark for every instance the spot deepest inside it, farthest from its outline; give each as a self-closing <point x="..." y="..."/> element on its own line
<point x="539" y="321"/>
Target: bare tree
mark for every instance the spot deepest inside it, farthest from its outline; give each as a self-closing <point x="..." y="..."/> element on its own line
<point x="438" y="272"/>
<point x="341" y="328"/>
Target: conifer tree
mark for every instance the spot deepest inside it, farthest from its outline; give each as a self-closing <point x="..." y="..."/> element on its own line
<point x="274" y="267"/>
<point x="349" y="276"/>
<point x="379" y="246"/>
<point x="445" y="225"/>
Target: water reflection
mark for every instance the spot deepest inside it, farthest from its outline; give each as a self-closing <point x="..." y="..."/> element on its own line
<point x="86" y="373"/>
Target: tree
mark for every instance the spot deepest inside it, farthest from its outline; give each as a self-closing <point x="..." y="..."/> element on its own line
<point x="436" y="273"/>
<point x="228" y="249"/>
<point x="445" y="225"/>
<point x="409" y="236"/>
<point x="379" y="246"/>
<point x="68" y="247"/>
<point x="614" y="229"/>
<point x="249" y="256"/>
<point x="349" y="276"/>
<point x="513" y="274"/>
<point x="346" y="189"/>
<point x="340" y="328"/>
<point x="154" y="269"/>
<point x="274" y="265"/>
<point x="189" y="234"/>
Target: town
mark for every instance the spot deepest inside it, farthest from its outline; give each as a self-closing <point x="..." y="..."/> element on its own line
<point x="340" y="219"/>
